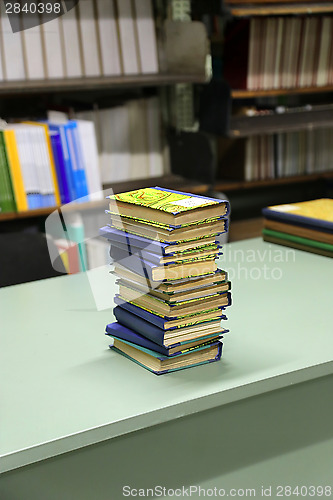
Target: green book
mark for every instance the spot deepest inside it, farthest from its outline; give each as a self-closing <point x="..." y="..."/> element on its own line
<point x="7" y="200"/>
<point x="298" y="242"/>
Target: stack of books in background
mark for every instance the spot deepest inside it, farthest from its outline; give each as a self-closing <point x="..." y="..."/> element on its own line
<point x="307" y="225"/>
<point x="172" y="295"/>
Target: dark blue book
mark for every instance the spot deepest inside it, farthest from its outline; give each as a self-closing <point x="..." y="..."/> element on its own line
<point x="167" y="323"/>
<point x="167" y="338"/>
<point x="116" y="236"/>
<point x="159" y="259"/>
<point x="122" y="332"/>
<point x="60" y="129"/>
<point x="314" y="214"/>
<point x="154" y="272"/>
<point x="60" y="166"/>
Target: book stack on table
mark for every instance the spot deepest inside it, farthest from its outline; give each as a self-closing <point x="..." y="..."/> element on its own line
<point x="172" y="295"/>
<point x="306" y="225"/>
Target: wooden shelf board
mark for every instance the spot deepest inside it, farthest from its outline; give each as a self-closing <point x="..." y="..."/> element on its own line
<point x="92" y="83"/>
<point x="167" y="181"/>
<point x="280" y="9"/>
<point x="236" y="185"/>
<point x="245" y="126"/>
<point x="248" y="94"/>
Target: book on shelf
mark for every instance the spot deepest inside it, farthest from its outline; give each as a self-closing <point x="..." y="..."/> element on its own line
<point x="263" y="53"/>
<point x="171" y="293"/>
<point x="12" y="67"/>
<point x="54" y="57"/>
<point x="89" y="38"/>
<point x="274" y="156"/>
<point x="306" y="225"/>
<point x="108" y="38"/>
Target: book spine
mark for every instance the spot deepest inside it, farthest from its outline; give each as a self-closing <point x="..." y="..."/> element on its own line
<point x="145" y="328"/>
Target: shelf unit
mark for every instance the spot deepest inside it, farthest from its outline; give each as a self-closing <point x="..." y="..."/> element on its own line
<point x="225" y="116"/>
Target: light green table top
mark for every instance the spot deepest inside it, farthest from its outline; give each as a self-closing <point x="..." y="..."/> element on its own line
<point x="62" y="388"/>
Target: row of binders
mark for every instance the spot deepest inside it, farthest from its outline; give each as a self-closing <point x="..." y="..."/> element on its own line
<point x="278" y="155"/>
<point x="95" y="38"/>
<point x="172" y="295"/>
<point x="45" y="164"/>
<point x="279" y="52"/>
<point x="130" y="140"/>
<point x="61" y="160"/>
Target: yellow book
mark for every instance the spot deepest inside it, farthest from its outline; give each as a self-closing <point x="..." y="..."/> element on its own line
<point x="50" y="151"/>
<point x="15" y="171"/>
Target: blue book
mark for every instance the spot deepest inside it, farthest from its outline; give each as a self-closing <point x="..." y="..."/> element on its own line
<point x="158" y="259"/>
<point x="59" y="161"/>
<point x="154" y="272"/>
<point x="159" y="363"/>
<point x="72" y="129"/>
<point x="314" y="214"/>
<point x="166" y="338"/>
<point x="166" y="323"/>
<point x="60" y="129"/>
<point x="121" y="332"/>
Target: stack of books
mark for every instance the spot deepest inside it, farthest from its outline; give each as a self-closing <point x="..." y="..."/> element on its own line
<point x="171" y="293"/>
<point x="307" y="225"/>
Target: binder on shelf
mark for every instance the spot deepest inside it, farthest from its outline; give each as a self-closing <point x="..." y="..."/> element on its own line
<point x="33" y="48"/>
<point x="54" y="50"/>
<point x="87" y="135"/>
<point x="128" y="37"/>
<point x="88" y="38"/>
<point x="15" y="170"/>
<point x="72" y="49"/>
<point x="13" y="60"/>
<point x="145" y="26"/>
<point x="108" y="38"/>
<point x="7" y="201"/>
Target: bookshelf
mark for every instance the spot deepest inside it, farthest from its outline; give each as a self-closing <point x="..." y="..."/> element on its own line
<point x="249" y="94"/>
<point x="148" y="64"/>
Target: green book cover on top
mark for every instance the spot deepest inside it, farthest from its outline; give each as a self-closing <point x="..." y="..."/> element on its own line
<point x="164" y="200"/>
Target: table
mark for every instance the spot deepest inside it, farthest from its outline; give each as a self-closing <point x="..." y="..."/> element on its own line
<point x="79" y="421"/>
